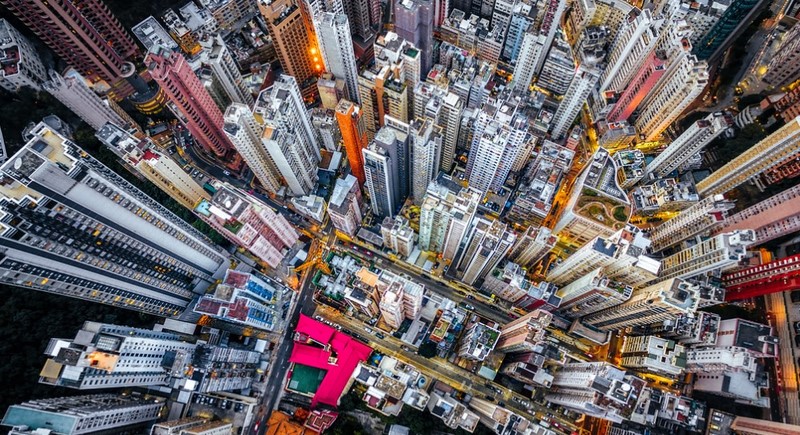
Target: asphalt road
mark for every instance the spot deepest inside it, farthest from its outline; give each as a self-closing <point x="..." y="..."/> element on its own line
<point x="277" y="373"/>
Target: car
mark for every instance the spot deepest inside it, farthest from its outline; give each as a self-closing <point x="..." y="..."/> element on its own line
<point x="503" y="404"/>
<point x="797" y="340"/>
<point x="379" y="335"/>
<point x="319" y="318"/>
<point x="405" y="348"/>
<point x="470" y="297"/>
<point x="489" y="398"/>
<point x="469" y="307"/>
<point x="797" y="327"/>
<point x="228" y="173"/>
<point x="368" y="329"/>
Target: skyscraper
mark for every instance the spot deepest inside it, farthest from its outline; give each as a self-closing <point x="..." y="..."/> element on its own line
<point x="688" y="144"/>
<point x="381" y="179"/>
<point x="115" y="413"/>
<point x="148" y="161"/>
<point x="134" y="253"/>
<point x="530" y="53"/>
<point x="549" y="26"/>
<point x="597" y="389"/>
<point x="344" y="206"/>
<point x="226" y="73"/>
<point x="784" y="67"/>
<point x="21" y="63"/>
<point x="774" y="150"/>
<point x="590" y="293"/>
<point x="203" y="118"/>
<point x="290" y="26"/>
<point x="523" y="334"/>
<point x="84" y="33"/>
<point x="119" y="356"/>
<point x="639" y="88"/>
<point x="413" y="21"/>
<point x="634" y="42"/>
<point x="245" y="133"/>
<point x="580" y="224"/>
<point x="288" y="136"/>
<point x="677" y="90"/>
<point x="425" y="144"/>
<point x="486" y="244"/>
<point x="662" y="301"/>
<point x="336" y="46"/>
<point x="248" y="222"/>
<point x="532" y="245"/>
<point x="450" y="121"/>
<point x="700" y="219"/>
<point x="354" y="135"/>
<point x="720" y="252"/>
<point x="445" y="216"/>
<point x="583" y="83"/>
<point x="71" y="90"/>
<point x="732" y="23"/>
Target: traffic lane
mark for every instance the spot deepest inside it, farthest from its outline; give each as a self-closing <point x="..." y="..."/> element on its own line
<point x="454" y="376"/>
<point x="488" y="311"/>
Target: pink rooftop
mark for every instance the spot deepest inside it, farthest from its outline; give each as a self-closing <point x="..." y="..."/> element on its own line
<point x="348" y="351"/>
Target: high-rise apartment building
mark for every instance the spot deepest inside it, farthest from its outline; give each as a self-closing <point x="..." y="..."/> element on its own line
<point x="491" y="156"/>
<point x="550" y="25"/>
<point x="336" y="46"/>
<point x="290" y="26"/>
<point x="288" y="136"/>
<point x="477" y="342"/>
<point x="558" y="68"/>
<point x="520" y="23"/>
<point x="449" y="120"/>
<point x="226" y="72"/>
<point x="532" y="245"/>
<point x="425" y="143"/>
<point x="485" y="245"/>
<point x="398" y="235"/>
<point x="598" y="184"/>
<point x="134" y="253"/>
<point x="446" y="214"/>
<point x="77" y="415"/>
<point x="245" y="133"/>
<point x="531" y="50"/>
<point x="103" y="356"/>
<point x="72" y="91"/>
<point x="85" y="34"/>
<point x="720" y="252"/>
<point x="677" y="90"/>
<point x="147" y="160"/>
<point x="689" y="143"/>
<point x="591" y="293"/>
<point x="583" y="83"/>
<point x="731" y="24"/>
<point x="381" y="179"/>
<point x="523" y="334"/>
<point x="774" y="217"/>
<point x="413" y="21"/>
<point x="185" y="90"/>
<point x="662" y="301"/>
<point x="540" y="183"/>
<point x="774" y="150"/>
<point x="654" y="355"/>
<point x="354" y="135"/>
<point x="634" y="42"/>
<point x="638" y="88"/>
<point x="784" y="67"/>
<point x="344" y="206"/>
<point x="700" y="219"/>
<point x="21" y="65"/>
<point x="249" y="223"/>
<point x="597" y="389"/>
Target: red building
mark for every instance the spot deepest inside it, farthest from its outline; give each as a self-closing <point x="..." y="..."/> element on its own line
<point x="773" y="277"/>
<point x="639" y="87"/>
<point x="354" y="136"/>
<point x="84" y="33"/>
<point x="201" y="115"/>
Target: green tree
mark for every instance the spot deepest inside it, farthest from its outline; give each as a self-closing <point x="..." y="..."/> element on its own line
<point x="428" y="349"/>
<point x="346" y="424"/>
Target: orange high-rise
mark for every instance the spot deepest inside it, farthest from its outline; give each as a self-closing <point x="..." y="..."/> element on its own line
<point x="354" y="136"/>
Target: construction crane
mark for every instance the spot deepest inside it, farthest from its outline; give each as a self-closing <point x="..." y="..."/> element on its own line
<point x="314" y="260"/>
